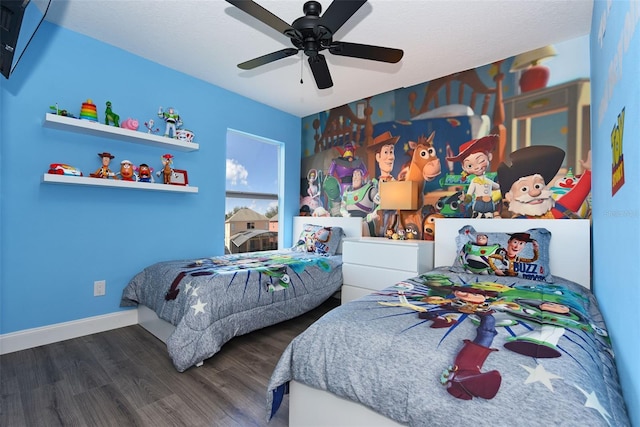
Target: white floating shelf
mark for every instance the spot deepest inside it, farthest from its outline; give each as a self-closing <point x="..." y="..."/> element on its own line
<point x="89" y="127"/>
<point x="100" y="182"/>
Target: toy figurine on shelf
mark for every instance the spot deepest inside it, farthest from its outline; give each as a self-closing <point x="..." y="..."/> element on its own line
<point x="60" y="112"/>
<point x="172" y="120"/>
<point x="145" y="173"/>
<point x="89" y="111"/>
<point x="64" y="169"/>
<point x="131" y="124"/>
<point x="110" y="117"/>
<point x="127" y="172"/>
<point x="167" y="161"/>
<point x="149" y="126"/>
<point x="104" y="171"/>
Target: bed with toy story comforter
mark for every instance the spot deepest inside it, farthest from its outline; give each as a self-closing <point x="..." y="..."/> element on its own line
<point x="505" y="332"/>
<point x="450" y="348"/>
<point x="211" y="300"/>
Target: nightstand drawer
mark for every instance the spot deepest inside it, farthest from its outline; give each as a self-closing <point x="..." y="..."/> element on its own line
<point x="393" y="254"/>
<point x="373" y="278"/>
<point x="542" y="103"/>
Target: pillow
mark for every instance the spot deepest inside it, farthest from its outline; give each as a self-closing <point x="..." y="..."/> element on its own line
<point x="319" y="239"/>
<point x="494" y="253"/>
<point x="451" y="110"/>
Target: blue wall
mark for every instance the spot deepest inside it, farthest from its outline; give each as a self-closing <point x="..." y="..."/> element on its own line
<point x="615" y="66"/>
<point x="56" y="240"/>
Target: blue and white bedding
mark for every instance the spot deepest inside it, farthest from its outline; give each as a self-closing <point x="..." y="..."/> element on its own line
<point x="448" y="348"/>
<point x="211" y="300"/>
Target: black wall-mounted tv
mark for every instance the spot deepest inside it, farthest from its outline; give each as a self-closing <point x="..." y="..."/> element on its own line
<point x="19" y="20"/>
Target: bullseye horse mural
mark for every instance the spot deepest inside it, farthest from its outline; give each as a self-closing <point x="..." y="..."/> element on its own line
<point x="425" y="166"/>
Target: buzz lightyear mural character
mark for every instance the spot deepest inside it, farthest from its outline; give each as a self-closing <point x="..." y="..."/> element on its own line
<point x="361" y="198"/>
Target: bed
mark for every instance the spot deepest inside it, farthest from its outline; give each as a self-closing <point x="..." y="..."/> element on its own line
<point x="426" y="351"/>
<point x="197" y="305"/>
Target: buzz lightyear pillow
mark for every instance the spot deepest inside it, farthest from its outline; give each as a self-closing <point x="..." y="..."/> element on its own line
<point x="319" y="239"/>
<point x="522" y="254"/>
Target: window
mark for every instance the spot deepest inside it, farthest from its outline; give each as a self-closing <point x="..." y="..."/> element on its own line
<point x="253" y="188"/>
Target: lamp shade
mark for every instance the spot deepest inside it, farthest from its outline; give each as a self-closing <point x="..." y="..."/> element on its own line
<point x="534" y="75"/>
<point x="532" y="57"/>
<point x="399" y="195"/>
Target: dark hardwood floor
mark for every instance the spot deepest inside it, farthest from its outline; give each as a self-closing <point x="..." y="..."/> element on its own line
<point x="124" y="377"/>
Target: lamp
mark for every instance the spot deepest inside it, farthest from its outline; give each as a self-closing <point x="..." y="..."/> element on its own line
<point x="399" y="195"/>
<point x="534" y="75"/>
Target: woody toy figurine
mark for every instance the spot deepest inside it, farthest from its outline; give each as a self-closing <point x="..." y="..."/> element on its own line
<point x="104" y="171"/>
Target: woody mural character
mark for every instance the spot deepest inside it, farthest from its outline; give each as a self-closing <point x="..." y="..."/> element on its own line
<point x="383" y="147"/>
<point x="524" y="184"/>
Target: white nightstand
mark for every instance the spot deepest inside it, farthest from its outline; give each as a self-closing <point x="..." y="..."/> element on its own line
<point x="374" y="263"/>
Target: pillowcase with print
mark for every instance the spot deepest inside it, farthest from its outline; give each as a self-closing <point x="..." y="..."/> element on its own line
<point x="319" y="239"/>
<point x="523" y="254"/>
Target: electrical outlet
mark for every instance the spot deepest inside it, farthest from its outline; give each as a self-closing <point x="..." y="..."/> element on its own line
<point x="99" y="288"/>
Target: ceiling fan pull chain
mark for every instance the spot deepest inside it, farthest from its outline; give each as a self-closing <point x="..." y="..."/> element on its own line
<point x="301" y="82"/>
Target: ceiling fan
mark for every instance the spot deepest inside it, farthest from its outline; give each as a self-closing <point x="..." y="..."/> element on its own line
<point x="312" y="34"/>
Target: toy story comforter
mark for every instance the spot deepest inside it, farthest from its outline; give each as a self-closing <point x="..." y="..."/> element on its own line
<point x="211" y="300"/>
<point x="448" y="348"/>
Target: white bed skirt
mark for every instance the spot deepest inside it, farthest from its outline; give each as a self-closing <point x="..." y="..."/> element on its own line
<point x="311" y="407"/>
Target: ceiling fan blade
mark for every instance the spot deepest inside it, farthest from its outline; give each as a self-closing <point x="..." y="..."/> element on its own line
<point x="263" y="15"/>
<point x="365" y="51"/>
<point x="320" y="71"/>
<point x="265" y="59"/>
<point x="339" y="12"/>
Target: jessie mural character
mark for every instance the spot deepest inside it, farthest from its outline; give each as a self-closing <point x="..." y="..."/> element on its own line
<point x="475" y="157"/>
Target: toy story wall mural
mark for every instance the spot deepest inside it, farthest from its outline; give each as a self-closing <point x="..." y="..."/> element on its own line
<point x="463" y="170"/>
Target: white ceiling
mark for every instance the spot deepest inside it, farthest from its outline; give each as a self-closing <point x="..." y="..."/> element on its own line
<point x="208" y="38"/>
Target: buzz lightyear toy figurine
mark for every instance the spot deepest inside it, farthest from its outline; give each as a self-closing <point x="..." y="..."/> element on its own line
<point x="172" y="120"/>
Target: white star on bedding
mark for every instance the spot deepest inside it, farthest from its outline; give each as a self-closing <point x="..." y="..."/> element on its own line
<point x="593" y="402"/>
<point x="187" y="286"/>
<point x="194" y="292"/>
<point x="539" y="374"/>
<point x="199" y="307"/>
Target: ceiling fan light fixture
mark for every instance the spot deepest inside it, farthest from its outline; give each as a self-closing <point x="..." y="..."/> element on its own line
<point x="313" y="33"/>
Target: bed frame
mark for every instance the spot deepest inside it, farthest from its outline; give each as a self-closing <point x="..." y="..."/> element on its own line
<point x="161" y="329"/>
<point x="571" y="238"/>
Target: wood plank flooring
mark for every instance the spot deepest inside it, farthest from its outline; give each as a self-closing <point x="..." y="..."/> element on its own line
<point x="124" y="377"/>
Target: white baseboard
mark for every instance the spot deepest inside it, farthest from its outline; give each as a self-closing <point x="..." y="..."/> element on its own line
<point x="36" y="337"/>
